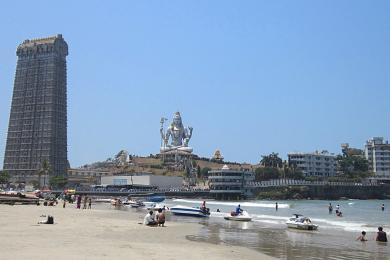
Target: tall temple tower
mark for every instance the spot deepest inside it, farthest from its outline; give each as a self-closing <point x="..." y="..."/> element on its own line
<point x="37" y="128"/>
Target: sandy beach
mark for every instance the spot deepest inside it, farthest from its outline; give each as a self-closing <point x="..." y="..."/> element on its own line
<point x="102" y="234"/>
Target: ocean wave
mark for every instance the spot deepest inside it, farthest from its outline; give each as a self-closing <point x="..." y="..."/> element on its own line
<point x="243" y="204"/>
<point x="268" y="221"/>
<point x="346" y="225"/>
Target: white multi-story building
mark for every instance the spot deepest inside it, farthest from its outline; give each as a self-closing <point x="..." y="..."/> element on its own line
<point x="162" y="182"/>
<point x="228" y="184"/>
<point x="322" y="164"/>
<point x="377" y="152"/>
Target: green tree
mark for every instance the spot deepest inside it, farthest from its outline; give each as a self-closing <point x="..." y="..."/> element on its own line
<point x="35" y="184"/>
<point x="272" y="160"/>
<point x="4" y="177"/>
<point x="198" y="170"/>
<point x="353" y="166"/>
<point x="44" y="170"/>
<point x="204" y="172"/>
<point x="58" y="182"/>
<point x="292" y="172"/>
<point x="266" y="173"/>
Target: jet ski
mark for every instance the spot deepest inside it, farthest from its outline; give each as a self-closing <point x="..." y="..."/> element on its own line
<point x="243" y="216"/>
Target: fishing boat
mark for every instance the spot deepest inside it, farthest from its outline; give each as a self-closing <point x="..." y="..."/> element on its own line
<point x="243" y="216"/>
<point x="300" y="222"/>
<point x="189" y="211"/>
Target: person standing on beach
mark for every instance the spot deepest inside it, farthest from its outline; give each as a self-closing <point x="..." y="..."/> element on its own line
<point x="89" y="203"/>
<point x="64" y="204"/>
<point x="79" y="201"/>
<point x="383" y="207"/>
<point x="276" y="206"/>
<point x="330" y="208"/>
<point x="85" y="202"/>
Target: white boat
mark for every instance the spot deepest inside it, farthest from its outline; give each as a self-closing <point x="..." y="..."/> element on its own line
<point x="156" y="206"/>
<point x="244" y="216"/>
<point x="189" y="211"/>
<point x="300" y="222"/>
<point x="135" y="203"/>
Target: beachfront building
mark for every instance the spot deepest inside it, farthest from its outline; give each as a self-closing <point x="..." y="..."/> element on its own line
<point x="321" y="164"/>
<point x="144" y="179"/>
<point x="37" y="130"/>
<point x="86" y="176"/>
<point x="227" y="184"/>
<point x="377" y="152"/>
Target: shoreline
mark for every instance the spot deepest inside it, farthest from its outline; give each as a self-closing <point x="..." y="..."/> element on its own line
<point x="103" y="234"/>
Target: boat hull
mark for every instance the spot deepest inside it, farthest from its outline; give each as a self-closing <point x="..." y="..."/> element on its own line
<point x="302" y="227"/>
<point x="189" y="212"/>
<point x="238" y="218"/>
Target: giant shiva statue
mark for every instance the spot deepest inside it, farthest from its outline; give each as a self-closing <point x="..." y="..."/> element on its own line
<point x="179" y="135"/>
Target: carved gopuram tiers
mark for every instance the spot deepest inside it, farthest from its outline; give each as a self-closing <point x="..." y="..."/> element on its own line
<point x="37" y="128"/>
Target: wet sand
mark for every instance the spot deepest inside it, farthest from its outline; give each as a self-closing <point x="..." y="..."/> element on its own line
<point x="102" y="234"/>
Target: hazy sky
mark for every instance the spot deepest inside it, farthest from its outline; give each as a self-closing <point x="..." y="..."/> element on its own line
<point x="251" y="77"/>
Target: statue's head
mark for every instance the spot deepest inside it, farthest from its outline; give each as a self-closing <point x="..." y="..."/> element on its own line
<point x="177" y="119"/>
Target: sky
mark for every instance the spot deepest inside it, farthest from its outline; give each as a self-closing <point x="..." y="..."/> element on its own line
<point x="251" y="77"/>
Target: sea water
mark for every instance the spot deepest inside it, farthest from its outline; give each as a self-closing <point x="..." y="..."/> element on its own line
<point x="268" y="233"/>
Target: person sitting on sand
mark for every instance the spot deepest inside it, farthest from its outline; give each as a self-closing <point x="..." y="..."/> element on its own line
<point x="49" y="220"/>
<point x="160" y="217"/>
<point x="362" y="237"/>
<point x="149" y="219"/>
<point x="381" y="235"/>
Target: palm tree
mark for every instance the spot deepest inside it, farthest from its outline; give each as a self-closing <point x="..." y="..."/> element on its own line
<point x="272" y="160"/>
<point x="45" y="169"/>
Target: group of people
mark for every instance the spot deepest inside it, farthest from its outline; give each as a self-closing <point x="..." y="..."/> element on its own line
<point x="381" y="236"/>
<point x="155" y="220"/>
<point x="86" y="201"/>
<point x="338" y="212"/>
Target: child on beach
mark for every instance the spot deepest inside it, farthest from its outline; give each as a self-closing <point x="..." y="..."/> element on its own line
<point x="160" y="218"/>
<point x="362" y="237"/>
